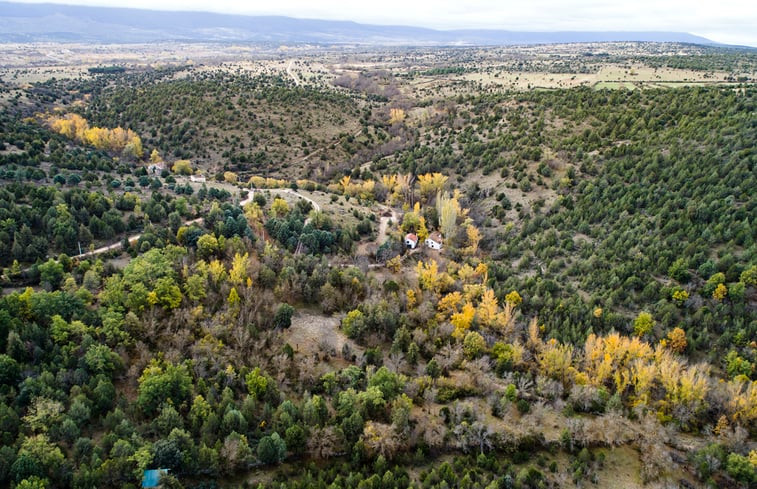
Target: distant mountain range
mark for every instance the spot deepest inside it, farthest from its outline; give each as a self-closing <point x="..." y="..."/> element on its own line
<point x="22" y="22"/>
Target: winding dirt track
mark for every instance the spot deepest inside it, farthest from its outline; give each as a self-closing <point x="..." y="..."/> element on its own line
<point x="135" y="237"/>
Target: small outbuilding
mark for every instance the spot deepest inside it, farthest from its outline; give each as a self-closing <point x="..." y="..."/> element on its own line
<point x="411" y="241"/>
<point x="151" y="478"/>
<point x="156" y="168"/>
<point x="434" y="241"/>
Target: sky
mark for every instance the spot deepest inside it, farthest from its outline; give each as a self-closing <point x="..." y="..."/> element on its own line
<point x="725" y="21"/>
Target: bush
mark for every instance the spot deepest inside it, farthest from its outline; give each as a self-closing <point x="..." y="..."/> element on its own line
<point x="523" y="406"/>
<point x="283" y="316"/>
<point x="741" y="469"/>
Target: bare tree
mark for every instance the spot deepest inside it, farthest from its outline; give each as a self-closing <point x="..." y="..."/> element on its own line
<point x="325" y="442"/>
<point x="431" y="430"/>
<point x="448" y="357"/>
<point x="396" y="362"/>
<point x="476" y="435"/>
<point x="380" y="439"/>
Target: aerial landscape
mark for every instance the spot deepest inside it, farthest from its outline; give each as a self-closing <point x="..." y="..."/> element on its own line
<point x="272" y="252"/>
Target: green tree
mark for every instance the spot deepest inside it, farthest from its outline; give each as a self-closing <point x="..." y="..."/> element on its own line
<point x="354" y="324"/>
<point x="167" y="454"/>
<point x="433" y="369"/>
<point x="735" y="365"/>
<point x="207" y="245"/>
<point x="315" y="411"/>
<point x="643" y="324"/>
<point x="741" y="469"/>
<point x="37" y="457"/>
<point x="713" y="282"/>
<point x="401" y="407"/>
<point x="9" y="370"/>
<point x="679" y="270"/>
<point x="233" y="421"/>
<point x="199" y="412"/>
<point x="100" y="358"/>
<point x="162" y="382"/>
<point x="51" y="274"/>
<point x="33" y="482"/>
<point x="283" y="316"/>
<point x="272" y="449"/>
<point x="387" y="382"/>
<point x="260" y="385"/>
<point x="166" y="294"/>
<point x="473" y="344"/>
<point x="749" y="276"/>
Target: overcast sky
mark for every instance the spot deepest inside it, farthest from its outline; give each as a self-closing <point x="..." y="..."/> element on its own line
<point x="726" y="21"/>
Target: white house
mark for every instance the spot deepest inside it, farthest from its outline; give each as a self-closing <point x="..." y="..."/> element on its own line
<point x="197" y="178"/>
<point x="411" y="240"/>
<point x="156" y="168"/>
<point x="434" y="241"/>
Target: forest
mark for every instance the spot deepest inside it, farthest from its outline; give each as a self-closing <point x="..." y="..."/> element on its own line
<point x="593" y="307"/>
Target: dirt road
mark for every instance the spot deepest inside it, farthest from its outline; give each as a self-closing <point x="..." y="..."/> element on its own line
<point x="292" y="74"/>
<point x="135" y="237"/>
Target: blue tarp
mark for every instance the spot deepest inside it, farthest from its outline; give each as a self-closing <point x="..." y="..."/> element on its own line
<point x="151" y="478"/>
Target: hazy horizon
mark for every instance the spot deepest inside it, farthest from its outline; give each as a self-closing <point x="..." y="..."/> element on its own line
<point x="729" y="22"/>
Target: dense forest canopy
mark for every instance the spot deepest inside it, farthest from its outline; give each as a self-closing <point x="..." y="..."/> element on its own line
<point x="234" y="298"/>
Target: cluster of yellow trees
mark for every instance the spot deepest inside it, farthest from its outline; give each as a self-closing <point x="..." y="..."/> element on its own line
<point x="396" y="115"/>
<point x="267" y="182"/>
<point x="74" y="126"/>
<point x="399" y="187"/>
<point x="262" y="182"/>
<point x="431" y="184"/>
<point x="645" y="376"/>
<point x="475" y="302"/>
<point x="363" y="190"/>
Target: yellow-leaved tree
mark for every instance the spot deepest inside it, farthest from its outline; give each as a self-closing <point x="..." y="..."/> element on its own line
<point x="182" y="167"/>
<point x="462" y="320"/>
<point x="428" y="274"/>
<point x="488" y="308"/>
<point x="430" y="278"/>
<point x="431" y="184"/>
<point x="474" y="237"/>
<point x="230" y="177"/>
<point x="155" y="156"/>
<point x="448" y="210"/>
<point x="345" y="184"/>
<point x="279" y="207"/>
<point x="676" y="340"/>
<point x="238" y="270"/>
<point x="254" y="215"/>
<point x="396" y="115"/>
<point x="556" y="362"/>
<point x="449" y="304"/>
<point x="742" y="400"/>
